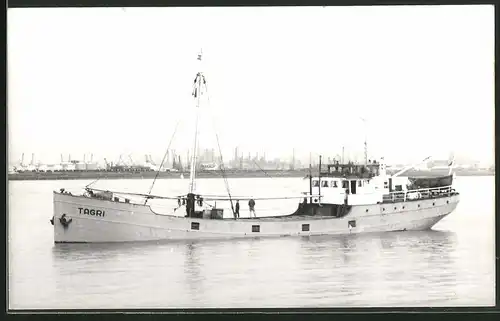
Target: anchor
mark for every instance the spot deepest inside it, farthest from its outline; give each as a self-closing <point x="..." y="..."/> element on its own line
<point x="65" y="221"/>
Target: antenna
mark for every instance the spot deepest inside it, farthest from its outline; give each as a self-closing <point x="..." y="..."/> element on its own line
<point x="319" y="181"/>
<point x="366" y="143"/>
<point x="310" y="180"/>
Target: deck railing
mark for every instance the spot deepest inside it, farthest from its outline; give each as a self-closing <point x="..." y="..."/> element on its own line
<point x="423" y="193"/>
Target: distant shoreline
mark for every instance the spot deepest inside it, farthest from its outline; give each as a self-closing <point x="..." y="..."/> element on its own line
<point x="34" y="176"/>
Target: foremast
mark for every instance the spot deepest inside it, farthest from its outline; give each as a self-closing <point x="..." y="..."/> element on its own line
<point x="197" y="92"/>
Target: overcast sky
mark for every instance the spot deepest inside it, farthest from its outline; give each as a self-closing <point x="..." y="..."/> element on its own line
<point x="110" y="81"/>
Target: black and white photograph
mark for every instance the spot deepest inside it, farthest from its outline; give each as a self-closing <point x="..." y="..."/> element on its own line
<point x="250" y="157"/>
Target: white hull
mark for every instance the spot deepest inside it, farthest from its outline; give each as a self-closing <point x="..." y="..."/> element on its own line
<point x="127" y="222"/>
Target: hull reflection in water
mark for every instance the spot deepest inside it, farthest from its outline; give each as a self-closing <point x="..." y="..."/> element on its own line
<point x="323" y="271"/>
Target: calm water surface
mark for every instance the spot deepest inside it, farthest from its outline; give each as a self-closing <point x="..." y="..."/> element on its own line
<point x="451" y="265"/>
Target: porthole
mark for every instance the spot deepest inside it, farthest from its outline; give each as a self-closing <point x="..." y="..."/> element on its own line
<point x="366" y="210"/>
<point x="195" y="225"/>
<point x="447" y="202"/>
<point x="433" y="203"/>
<point x="305" y="227"/>
<point x="395" y="207"/>
<point x="403" y="207"/>
<point x="256" y="228"/>
<point x="383" y="208"/>
<point x="418" y="205"/>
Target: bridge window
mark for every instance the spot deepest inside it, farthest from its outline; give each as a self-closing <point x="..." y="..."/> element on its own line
<point x="324" y="184"/>
<point x="360" y="183"/>
<point x="256" y="228"/>
<point x="305" y="227"/>
<point x="195" y="225"/>
<point x="345" y="184"/>
<point x="315" y="183"/>
<point x="334" y="184"/>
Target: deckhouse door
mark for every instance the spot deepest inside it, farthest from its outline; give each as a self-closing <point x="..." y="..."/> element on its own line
<point x="353" y="187"/>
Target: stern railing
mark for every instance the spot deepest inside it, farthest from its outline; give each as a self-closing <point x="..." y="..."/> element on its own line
<point x="423" y="193"/>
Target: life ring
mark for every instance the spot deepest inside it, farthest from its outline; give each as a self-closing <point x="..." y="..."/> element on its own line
<point x="65" y="221"/>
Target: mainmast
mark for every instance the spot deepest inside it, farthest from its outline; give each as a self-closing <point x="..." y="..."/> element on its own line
<point x="197" y="94"/>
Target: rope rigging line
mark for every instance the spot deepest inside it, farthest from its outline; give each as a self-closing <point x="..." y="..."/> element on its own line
<point x="162" y="161"/>
<point x="220" y="151"/>
<point x="95" y="181"/>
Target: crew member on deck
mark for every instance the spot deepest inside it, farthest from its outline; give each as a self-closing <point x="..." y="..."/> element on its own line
<point x="237" y="209"/>
<point x="251" y="205"/>
<point x="190" y="203"/>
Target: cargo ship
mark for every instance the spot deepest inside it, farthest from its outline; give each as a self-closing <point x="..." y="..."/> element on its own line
<point x="343" y="198"/>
